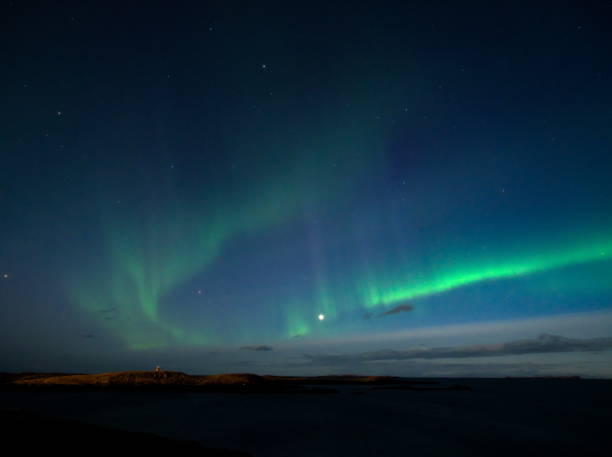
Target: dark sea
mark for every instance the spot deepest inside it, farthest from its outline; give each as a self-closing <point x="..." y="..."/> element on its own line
<point x="497" y="417"/>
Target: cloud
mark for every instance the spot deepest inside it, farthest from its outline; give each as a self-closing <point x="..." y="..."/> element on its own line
<point x="544" y="343"/>
<point x="258" y="347"/>
<point x="403" y="308"/>
<point x="397" y="309"/>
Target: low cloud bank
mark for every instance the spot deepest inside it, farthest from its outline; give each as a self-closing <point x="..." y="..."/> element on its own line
<point x="257" y="347"/>
<point x="544" y="343"/>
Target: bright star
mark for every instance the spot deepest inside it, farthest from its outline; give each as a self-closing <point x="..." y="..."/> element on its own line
<point x="321" y="317"/>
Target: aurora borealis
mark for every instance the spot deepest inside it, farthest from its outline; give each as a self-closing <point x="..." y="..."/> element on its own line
<point x="182" y="182"/>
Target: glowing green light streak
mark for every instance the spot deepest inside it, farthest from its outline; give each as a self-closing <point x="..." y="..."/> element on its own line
<point x="467" y="273"/>
<point x="147" y="262"/>
<point x="154" y="251"/>
<point x="297" y="323"/>
<point x="309" y="161"/>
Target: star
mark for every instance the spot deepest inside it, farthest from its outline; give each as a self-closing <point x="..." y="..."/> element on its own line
<point x="264" y="66"/>
<point x="321" y="317"/>
<point x="5" y="275"/>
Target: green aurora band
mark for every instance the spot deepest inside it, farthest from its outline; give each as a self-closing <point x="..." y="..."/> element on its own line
<point x="464" y="272"/>
<point x="310" y="161"/>
<point x="148" y="260"/>
<point x="144" y="269"/>
<point x="162" y="245"/>
<point x="153" y="251"/>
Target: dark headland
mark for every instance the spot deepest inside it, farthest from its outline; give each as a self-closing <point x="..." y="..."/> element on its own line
<point x="232" y="382"/>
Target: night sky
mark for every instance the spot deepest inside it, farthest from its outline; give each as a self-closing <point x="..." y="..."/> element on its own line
<point x="410" y="188"/>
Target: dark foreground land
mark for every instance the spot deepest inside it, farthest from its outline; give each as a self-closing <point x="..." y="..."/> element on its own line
<point x="325" y="416"/>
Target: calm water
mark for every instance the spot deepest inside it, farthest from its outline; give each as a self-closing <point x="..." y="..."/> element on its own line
<point x="498" y="417"/>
